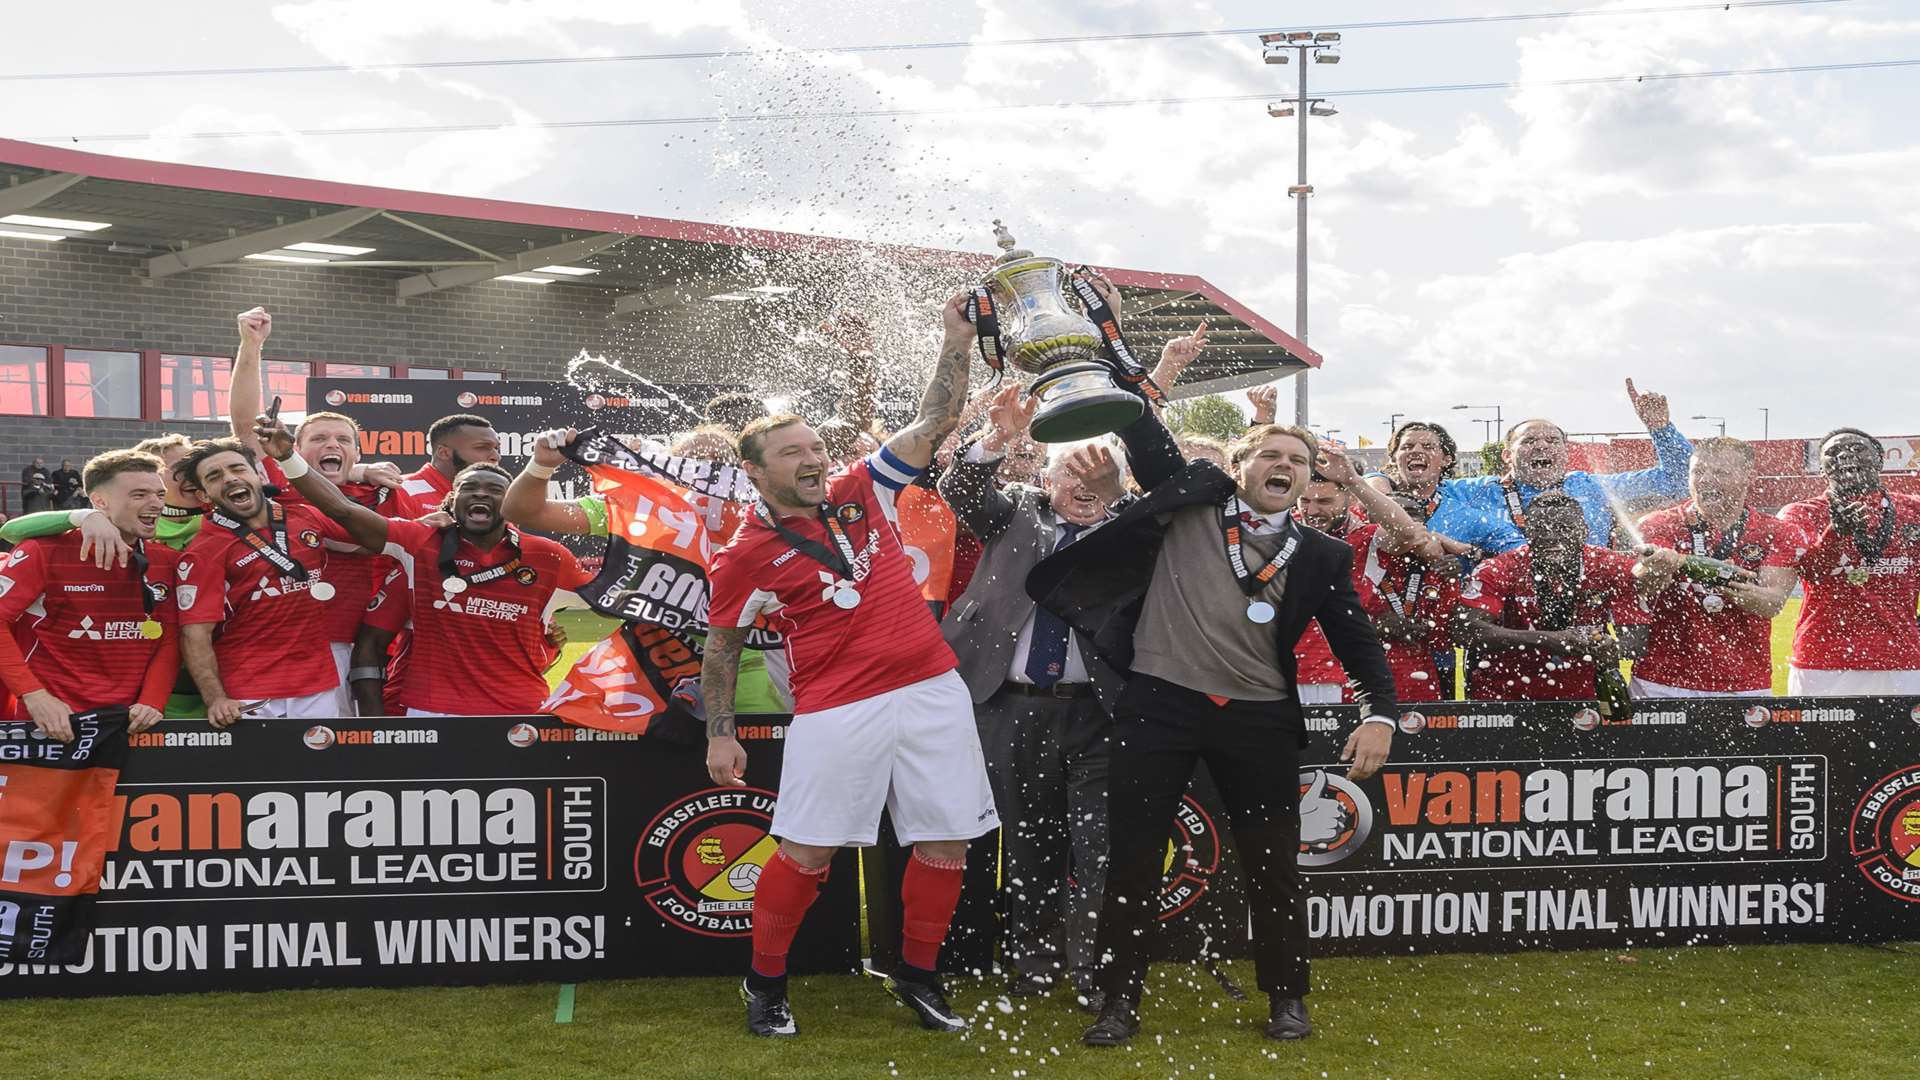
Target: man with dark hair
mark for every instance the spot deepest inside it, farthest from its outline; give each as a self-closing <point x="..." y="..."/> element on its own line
<point x="1199" y="592"/>
<point x="881" y="718"/>
<point x="1861" y="573"/>
<point x="454" y="442"/>
<point x="1537" y="616"/>
<point x="1714" y="638"/>
<point x="85" y="637"/>
<point x="255" y="571"/>
<point x="734" y="411"/>
<point x="1487" y="510"/>
<point x="481" y="589"/>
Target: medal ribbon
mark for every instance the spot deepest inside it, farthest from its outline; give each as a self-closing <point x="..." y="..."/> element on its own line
<point x="1119" y="356"/>
<point x="1556" y="612"/>
<point x="275" y="552"/>
<point x="1729" y="541"/>
<point x="1251" y="583"/>
<point x="1515" y="510"/>
<point x="980" y="313"/>
<point x="181" y="511"/>
<point x="1402" y="606"/>
<point x="148" y="594"/>
<point x="840" y="561"/>
<point x="450" y="543"/>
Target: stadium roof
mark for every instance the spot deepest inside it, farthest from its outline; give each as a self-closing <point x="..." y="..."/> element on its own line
<point x="176" y="219"/>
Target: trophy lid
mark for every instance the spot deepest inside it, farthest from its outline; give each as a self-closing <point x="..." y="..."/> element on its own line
<point x="1008" y="252"/>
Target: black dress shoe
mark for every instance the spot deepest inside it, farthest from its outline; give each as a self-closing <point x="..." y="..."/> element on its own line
<point x="1029" y="986"/>
<point x="1090" y="1001"/>
<point x="1287" y="1019"/>
<point x="1119" y="1021"/>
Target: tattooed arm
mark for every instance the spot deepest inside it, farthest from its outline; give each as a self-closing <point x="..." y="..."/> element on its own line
<point x="719" y="672"/>
<point x="945" y="395"/>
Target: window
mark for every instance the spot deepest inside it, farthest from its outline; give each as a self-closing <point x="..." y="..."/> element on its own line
<point x="288" y="379"/>
<point x="102" y="383"/>
<point x="428" y="373"/>
<point x="358" y="371"/>
<point x="194" y="387"/>
<point x="23" y="380"/>
<point x="481" y="376"/>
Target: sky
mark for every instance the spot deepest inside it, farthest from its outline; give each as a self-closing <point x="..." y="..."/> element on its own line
<point x="1736" y="243"/>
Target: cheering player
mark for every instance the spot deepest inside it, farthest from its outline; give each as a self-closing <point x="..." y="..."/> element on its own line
<point x="86" y="637"/>
<point x="256" y="573"/>
<point x="881" y="717"/>
<point x="1537" y="614"/>
<point x="1411" y="596"/>
<point x="330" y="443"/>
<point x="1861" y="573"/>
<point x="455" y="442"/>
<point x="480" y="599"/>
<point x="1713" y="639"/>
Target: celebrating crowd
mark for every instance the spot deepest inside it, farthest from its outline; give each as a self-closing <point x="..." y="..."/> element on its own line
<point x="1120" y="611"/>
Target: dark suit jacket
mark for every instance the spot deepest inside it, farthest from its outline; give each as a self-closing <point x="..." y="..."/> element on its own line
<point x="1099" y="584"/>
<point x="1016" y="531"/>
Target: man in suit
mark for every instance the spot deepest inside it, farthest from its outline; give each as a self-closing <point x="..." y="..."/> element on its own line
<point x="1198" y="592"/>
<point x="1041" y="702"/>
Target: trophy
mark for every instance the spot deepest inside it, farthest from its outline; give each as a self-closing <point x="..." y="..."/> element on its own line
<point x="1034" y="314"/>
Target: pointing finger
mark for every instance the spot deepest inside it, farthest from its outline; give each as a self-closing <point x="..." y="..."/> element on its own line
<point x="1631" y="392"/>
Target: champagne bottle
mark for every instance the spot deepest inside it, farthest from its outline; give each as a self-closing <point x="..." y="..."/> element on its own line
<point x="1700" y="568"/>
<point x="1613" y="700"/>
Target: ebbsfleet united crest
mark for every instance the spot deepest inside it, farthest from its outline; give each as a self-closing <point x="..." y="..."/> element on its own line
<point x="699" y="860"/>
<point x="1884" y="836"/>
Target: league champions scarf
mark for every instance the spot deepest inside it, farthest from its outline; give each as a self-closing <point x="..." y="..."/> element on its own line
<point x="57" y="823"/>
<point x="666" y="516"/>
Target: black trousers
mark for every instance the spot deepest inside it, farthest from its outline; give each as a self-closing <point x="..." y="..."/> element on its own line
<point x="1160" y="731"/>
<point x="1047" y="761"/>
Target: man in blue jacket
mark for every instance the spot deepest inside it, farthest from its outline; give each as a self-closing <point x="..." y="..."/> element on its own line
<point x="1488" y="511"/>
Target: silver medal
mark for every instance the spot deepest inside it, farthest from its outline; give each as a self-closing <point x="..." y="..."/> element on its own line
<point x="846" y="597"/>
<point x="1260" y="612"/>
<point x="1713" y="603"/>
<point x="454" y="584"/>
<point x="321" y="591"/>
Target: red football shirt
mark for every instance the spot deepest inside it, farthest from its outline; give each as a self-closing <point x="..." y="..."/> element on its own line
<point x="390" y="608"/>
<point x="1866" y="627"/>
<point x="421" y="493"/>
<point x="267" y="646"/>
<point x="839" y="655"/>
<point x="76" y="629"/>
<point x="353" y="574"/>
<point x="1378" y="576"/>
<point x="1725" y="651"/>
<point x="482" y="652"/>
<point x="1503" y="588"/>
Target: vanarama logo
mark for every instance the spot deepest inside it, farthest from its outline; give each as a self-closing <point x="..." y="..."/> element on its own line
<point x="525" y="734"/>
<point x="699" y="860"/>
<point x="1193" y="858"/>
<point x="345" y="397"/>
<point x="1413" y="722"/>
<point x="1884" y="836"/>
<point x="320" y="737"/>
<point x="467" y="399"/>
<point x="1488" y="815"/>
<point x="1758" y="716"/>
<point x="151" y="740"/>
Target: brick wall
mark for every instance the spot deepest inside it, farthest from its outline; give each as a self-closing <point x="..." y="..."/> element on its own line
<point x="78" y="294"/>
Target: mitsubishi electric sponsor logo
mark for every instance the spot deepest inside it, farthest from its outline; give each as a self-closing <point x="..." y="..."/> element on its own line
<point x="481" y="606"/>
<point x="115" y="630"/>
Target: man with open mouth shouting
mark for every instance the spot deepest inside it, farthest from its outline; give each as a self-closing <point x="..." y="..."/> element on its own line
<point x="481" y="589"/>
<point x="881" y="719"/>
<point x="1198" y="593"/>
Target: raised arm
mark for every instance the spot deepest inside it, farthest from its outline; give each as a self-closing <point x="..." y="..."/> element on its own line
<point x="1177" y="356"/>
<point x="945" y="394"/>
<point x="852" y="334"/>
<point x="719" y="677"/>
<point x="527" y="505"/>
<point x="243" y="389"/>
<point x="970" y="484"/>
<point x="367" y="528"/>
<point x="1669" y="477"/>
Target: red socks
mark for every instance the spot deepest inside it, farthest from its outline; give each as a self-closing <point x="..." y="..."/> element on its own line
<point x="780" y="901"/>
<point x="928" y="896"/>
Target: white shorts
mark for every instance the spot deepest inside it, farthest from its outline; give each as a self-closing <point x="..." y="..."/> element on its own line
<point x="914" y="751"/>
<point x="1641" y="688"/>
<point x="342" y="657"/>
<point x="321" y="706"/>
<point x="1321" y="693"/>
<point x="1813" y="682"/>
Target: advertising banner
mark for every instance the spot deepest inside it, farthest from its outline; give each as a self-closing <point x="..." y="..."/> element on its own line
<point x="391" y="852"/>
<point x="1501" y="826"/>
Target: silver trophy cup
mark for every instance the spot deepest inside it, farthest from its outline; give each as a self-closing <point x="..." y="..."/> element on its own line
<point x="1044" y="332"/>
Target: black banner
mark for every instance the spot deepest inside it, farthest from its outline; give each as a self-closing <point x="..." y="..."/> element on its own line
<point x="389" y="852"/>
